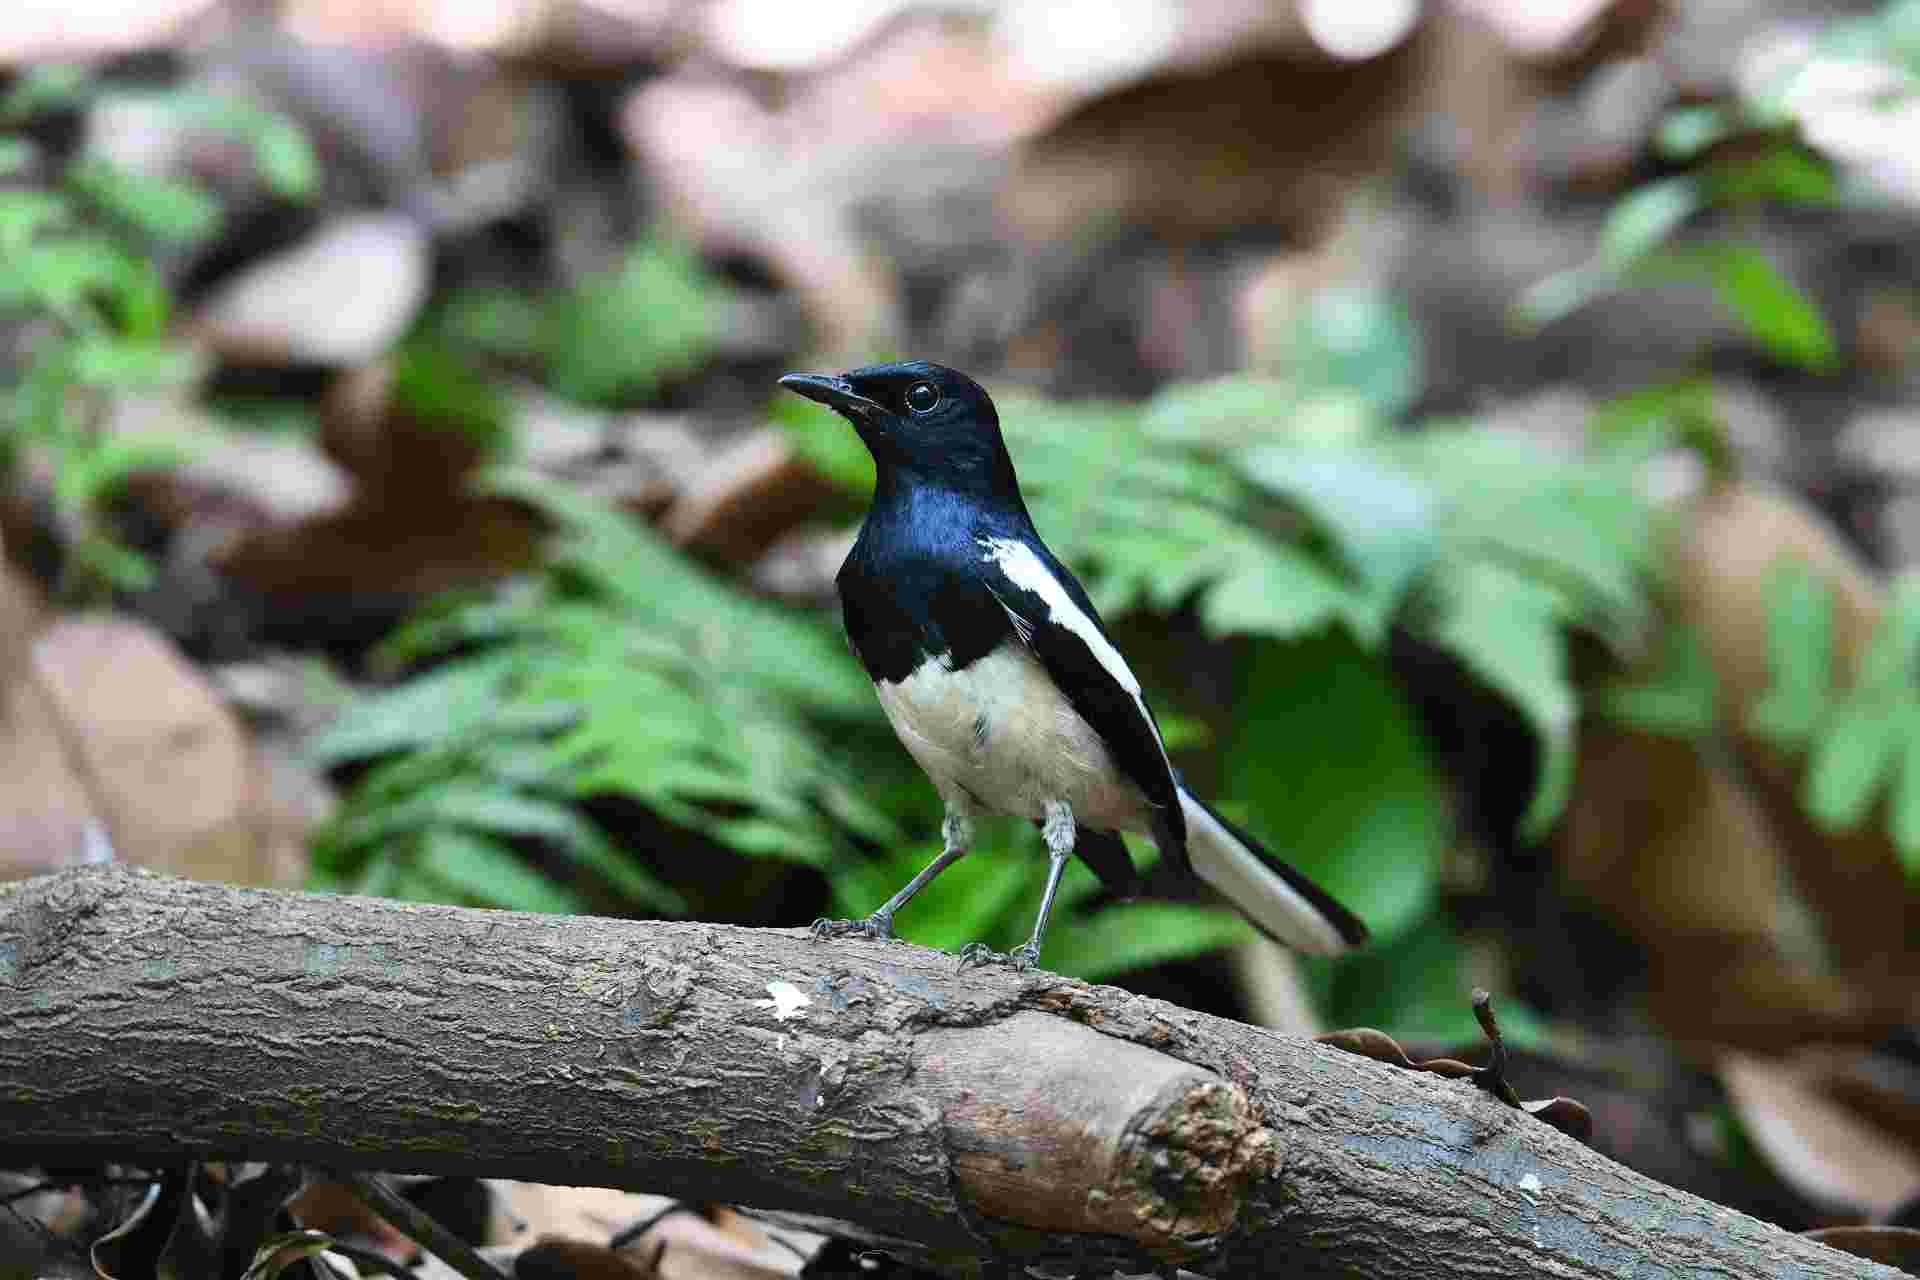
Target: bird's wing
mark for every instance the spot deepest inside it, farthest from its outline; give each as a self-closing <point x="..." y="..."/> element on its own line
<point x="1053" y="618"/>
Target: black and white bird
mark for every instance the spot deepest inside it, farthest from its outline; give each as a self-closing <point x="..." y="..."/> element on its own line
<point x="1001" y="681"/>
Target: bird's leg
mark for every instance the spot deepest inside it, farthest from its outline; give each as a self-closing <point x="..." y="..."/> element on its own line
<point x="956" y="833"/>
<point x="1057" y="831"/>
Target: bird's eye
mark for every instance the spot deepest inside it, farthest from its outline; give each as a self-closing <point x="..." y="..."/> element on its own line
<point x="921" y="397"/>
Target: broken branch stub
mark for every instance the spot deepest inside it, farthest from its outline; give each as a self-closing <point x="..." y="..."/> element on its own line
<point x="1055" y="1127"/>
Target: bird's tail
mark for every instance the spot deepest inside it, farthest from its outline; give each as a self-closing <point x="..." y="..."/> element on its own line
<point x="1275" y="898"/>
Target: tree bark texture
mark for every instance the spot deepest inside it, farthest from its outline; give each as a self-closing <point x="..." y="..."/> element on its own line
<point x="985" y="1115"/>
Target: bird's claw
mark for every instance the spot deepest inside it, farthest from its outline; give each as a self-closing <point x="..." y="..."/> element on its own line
<point x="1021" y="958"/>
<point x="877" y="927"/>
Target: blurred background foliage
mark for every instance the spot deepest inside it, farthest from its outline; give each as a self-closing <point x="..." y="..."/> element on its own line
<point x="1491" y="436"/>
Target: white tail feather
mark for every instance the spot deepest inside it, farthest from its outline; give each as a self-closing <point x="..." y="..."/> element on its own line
<point x="1224" y="862"/>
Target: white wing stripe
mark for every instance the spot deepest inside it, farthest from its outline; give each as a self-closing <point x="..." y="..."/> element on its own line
<point x="1028" y="572"/>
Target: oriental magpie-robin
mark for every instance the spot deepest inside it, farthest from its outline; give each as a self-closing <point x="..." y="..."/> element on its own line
<point x="1000" y="679"/>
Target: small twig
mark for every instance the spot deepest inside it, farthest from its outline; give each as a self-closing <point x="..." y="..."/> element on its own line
<point x="627" y="1235"/>
<point x="1493" y="1076"/>
<point x="415" y="1222"/>
<point x="788" y="1245"/>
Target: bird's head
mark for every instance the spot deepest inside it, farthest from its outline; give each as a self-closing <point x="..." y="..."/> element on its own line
<point x="921" y="418"/>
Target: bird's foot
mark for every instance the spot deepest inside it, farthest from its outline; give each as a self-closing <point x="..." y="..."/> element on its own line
<point x="1021" y="958"/>
<point x="877" y="927"/>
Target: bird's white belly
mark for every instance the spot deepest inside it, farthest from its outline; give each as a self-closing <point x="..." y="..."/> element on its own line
<point x="1001" y="731"/>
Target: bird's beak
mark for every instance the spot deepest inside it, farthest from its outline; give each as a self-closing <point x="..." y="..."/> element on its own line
<point x="835" y="393"/>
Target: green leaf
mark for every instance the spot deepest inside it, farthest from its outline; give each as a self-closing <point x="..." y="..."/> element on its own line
<point x="165" y="209"/>
<point x="658" y="302"/>
<point x="1893" y="659"/>
<point x="25" y="214"/>
<point x="16" y="156"/>
<point x="1676" y="696"/>
<point x="1363" y="341"/>
<point x="500" y="812"/>
<point x="121" y="568"/>
<point x="1853" y="756"/>
<point x="981" y="898"/>
<point x="1139" y="935"/>
<point x="1646" y="218"/>
<point x="1280" y="593"/>
<point x="1785" y="172"/>
<point x="1905" y="816"/>
<point x="491" y="321"/>
<point x="1639" y="223"/>
<point x="480" y="869"/>
<point x="1219" y="412"/>
<point x="286" y="158"/>
<point x="1799" y="658"/>
<point x="452" y="701"/>
<point x="1580" y="529"/>
<point x="1773" y="310"/>
<point x="1333" y="776"/>
<point x="48" y="87"/>
<point x="87" y="478"/>
<point x="1871" y="738"/>
<point x="1668" y="414"/>
<point x="282" y="1250"/>
<point x="1379" y="516"/>
<point x="503" y="812"/>
<point x="827" y="441"/>
<point x="128" y="364"/>
<point x="440" y="391"/>
<point x="1507" y="629"/>
<point x="63" y="273"/>
<point x="1685" y="132"/>
<point x="1554" y="297"/>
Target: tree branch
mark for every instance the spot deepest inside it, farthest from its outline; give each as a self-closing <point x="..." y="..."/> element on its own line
<point x="980" y="1114"/>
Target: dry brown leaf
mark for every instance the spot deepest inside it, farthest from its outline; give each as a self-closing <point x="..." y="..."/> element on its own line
<point x="232" y="479"/>
<point x="746" y="498"/>
<point x="113" y="741"/>
<point x="1568" y="1116"/>
<point x="1711" y="991"/>
<point x="1681" y="856"/>
<point x="374" y="556"/>
<point x="1883" y="1088"/>
<point x="700" y="1243"/>
<point x="696" y="1249"/>
<point x="387" y="449"/>
<point x="47" y="810"/>
<point x="1824" y="1148"/>
<point x="341" y="296"/>
<point x="551" y="1258"/>
<point x="1666" y="844"/>
<point x="37" y="35"/>
<point x="524" y="1210"/>
<point x="730" y="181"/>
<point x="1895" y="1246"/>
<point x="1724" y="553"/>
<point x="1272" y="141"/>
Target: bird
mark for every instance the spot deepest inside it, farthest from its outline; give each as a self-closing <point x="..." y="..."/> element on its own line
<point x="1003" y="684"/>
